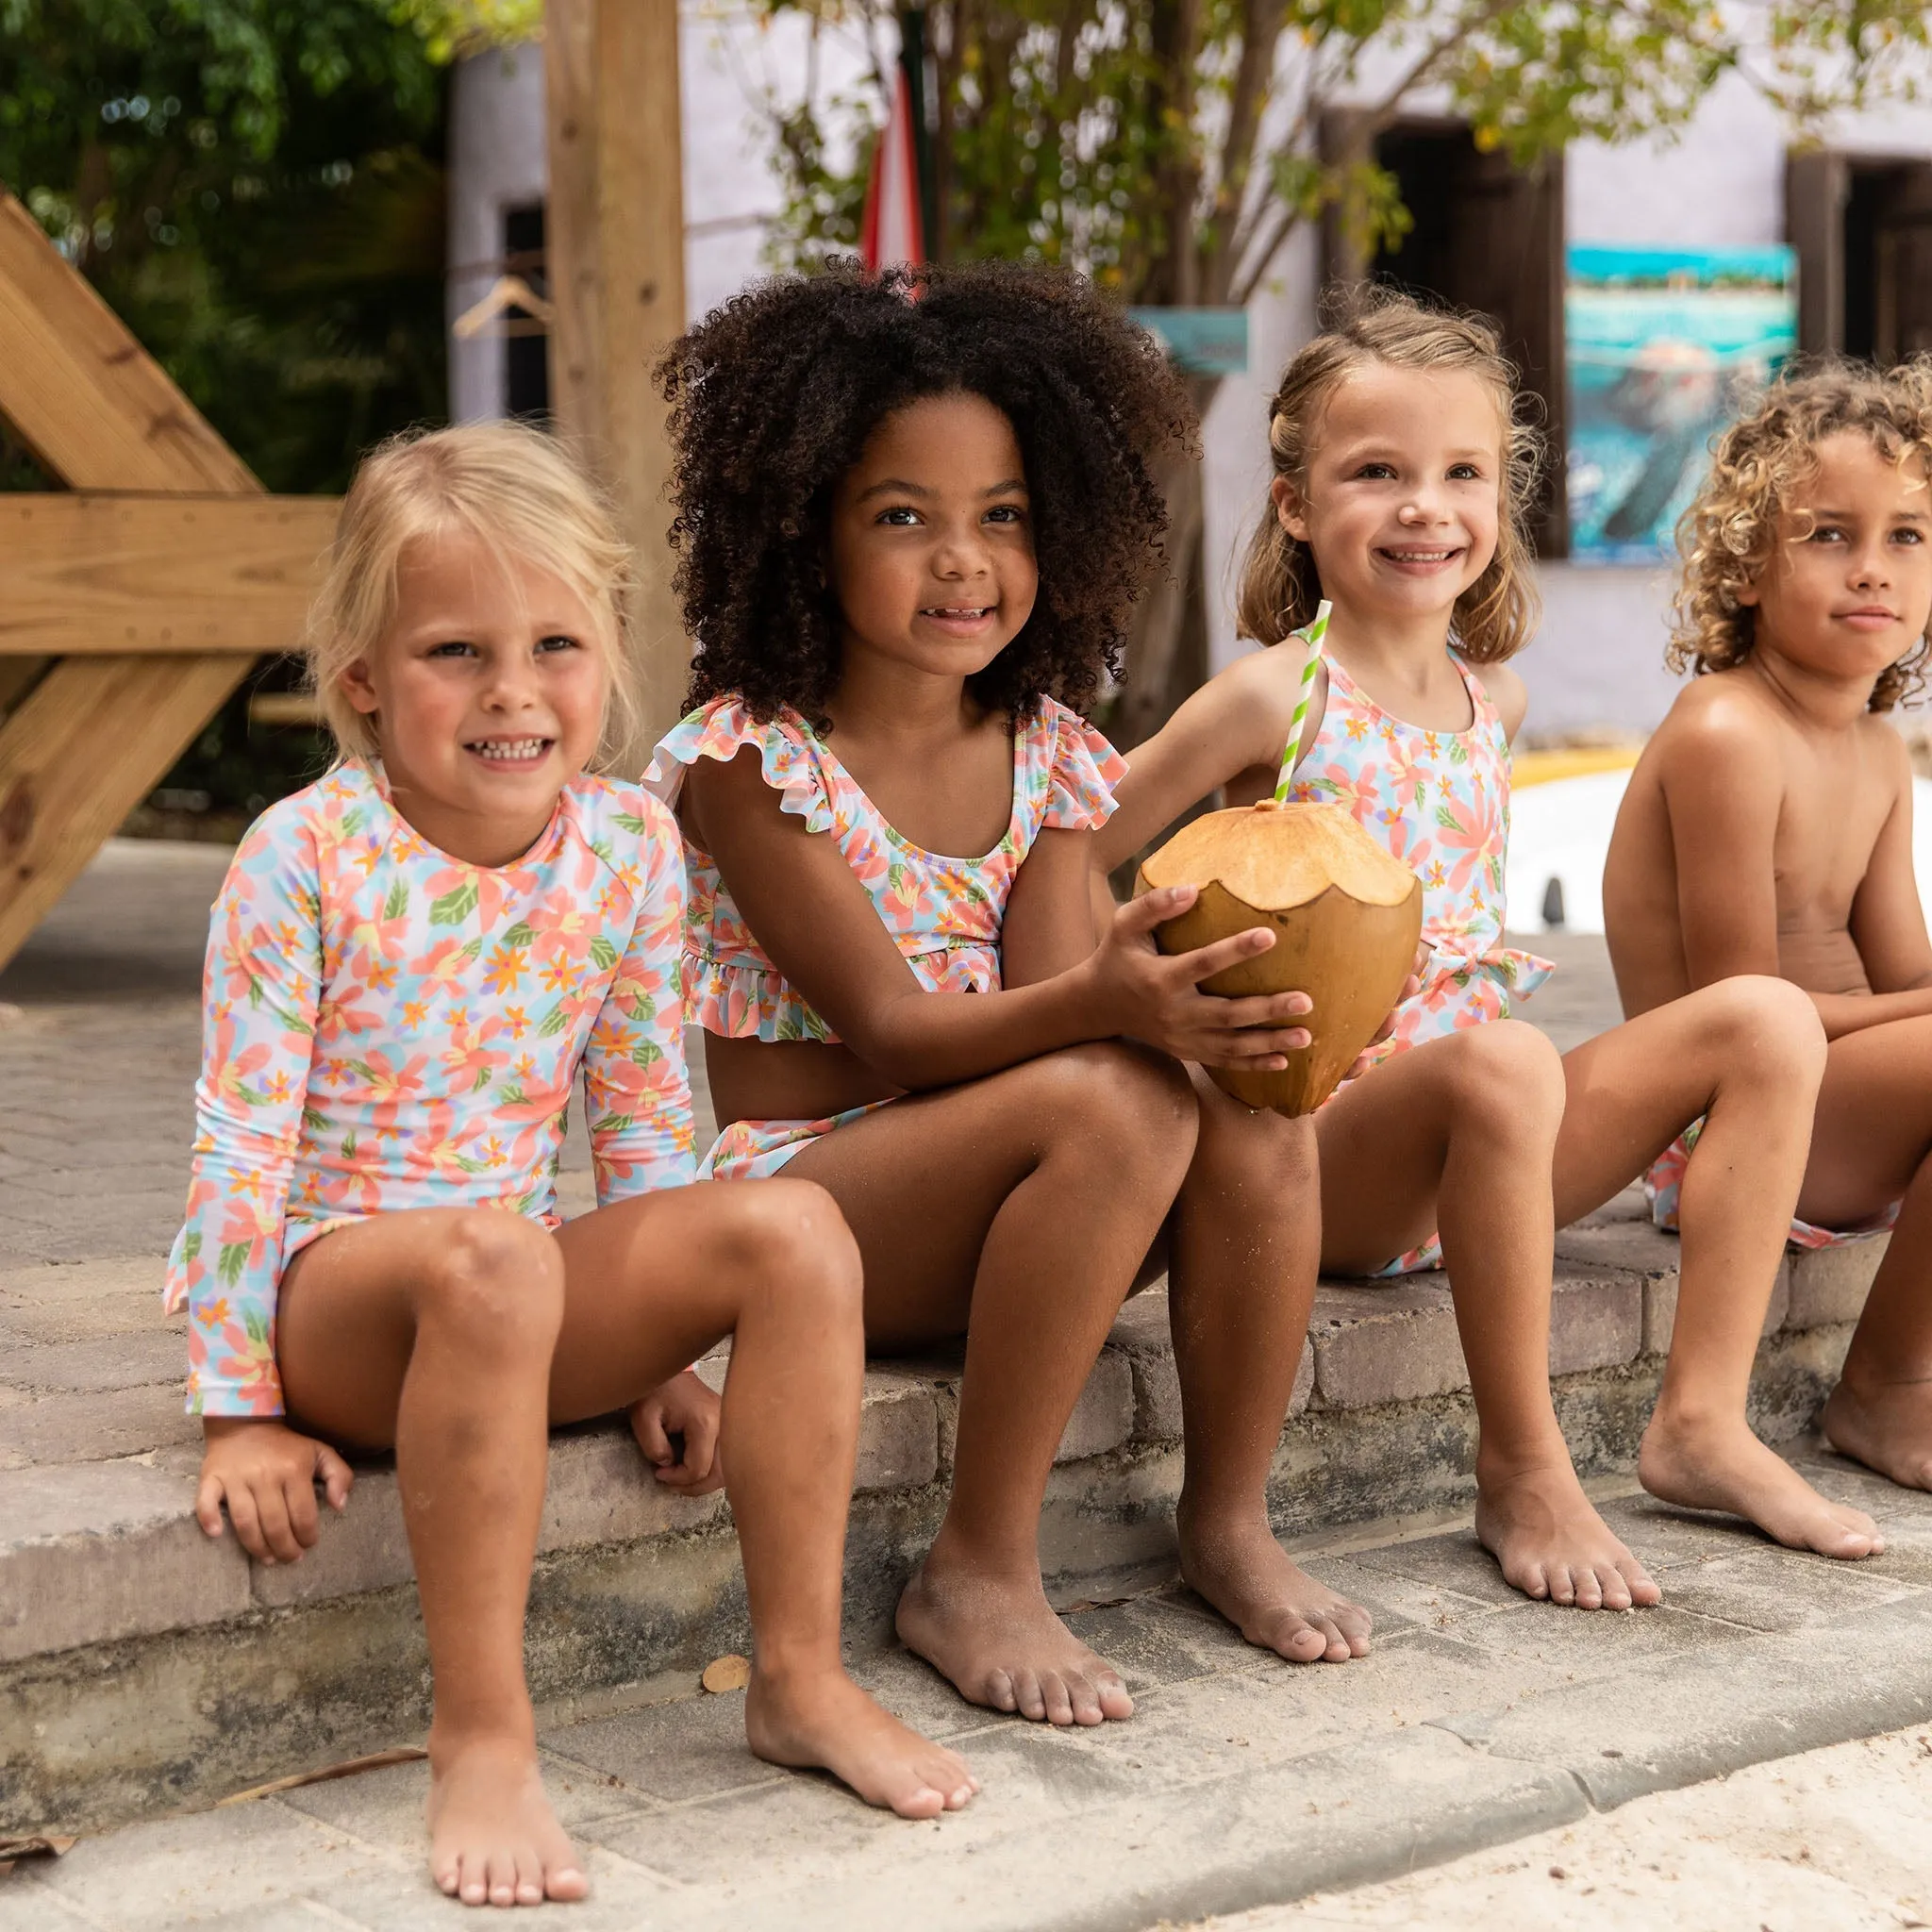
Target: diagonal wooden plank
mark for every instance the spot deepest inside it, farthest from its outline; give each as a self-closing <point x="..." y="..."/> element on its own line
<point x="82" y="751"/>
<point x="91" y="737"/>
<point x="88" y="571"/>
<point x="95" y="406"/>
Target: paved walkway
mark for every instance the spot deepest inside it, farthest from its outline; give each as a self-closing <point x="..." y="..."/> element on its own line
<point x="1831" y="1841"/>
<point x="1478" y="1720"/>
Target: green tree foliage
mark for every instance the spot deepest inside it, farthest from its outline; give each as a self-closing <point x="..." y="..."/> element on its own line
<point x="256" y="187"/>
<point x="1170" y="147"/>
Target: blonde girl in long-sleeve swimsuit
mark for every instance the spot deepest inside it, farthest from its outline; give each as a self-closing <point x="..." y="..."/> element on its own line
<point x="410" y="964"/>
<point x="1400" y="476"/>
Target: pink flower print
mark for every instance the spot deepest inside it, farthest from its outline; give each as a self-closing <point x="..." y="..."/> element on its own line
<point x="563" y="927"/>
<point x="381" y="936"/>
<point x="228" y="1070"/>
<point x="335" y="1017"/>
<point x="391" y="1087"/>
<point x="1406" y="779"/>
<point x="472" y="1063"/>
<point x="250" y="1365"/>
<point x="446" y="963"/>
<point x="1357" y="790"/>
<point x="456" y="892"/>
<point x="1468" y="829"/>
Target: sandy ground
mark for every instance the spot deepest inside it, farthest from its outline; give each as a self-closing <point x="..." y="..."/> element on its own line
<point x="1563" y="830"/>
<point x="1834" y="1841"/>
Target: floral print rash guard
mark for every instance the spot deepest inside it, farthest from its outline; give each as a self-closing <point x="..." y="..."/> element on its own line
<point x="386" y="1027"/>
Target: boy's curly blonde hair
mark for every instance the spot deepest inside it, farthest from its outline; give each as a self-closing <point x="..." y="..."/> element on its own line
<point x="511" y="485"/>
<point x="1280" y="586"/>
<point x="1728" y="535"/>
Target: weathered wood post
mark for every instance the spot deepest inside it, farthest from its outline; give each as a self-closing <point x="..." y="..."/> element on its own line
<point x="614" y="237"/>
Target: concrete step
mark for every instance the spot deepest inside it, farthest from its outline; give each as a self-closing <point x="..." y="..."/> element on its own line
<point x="143" y="1668"/>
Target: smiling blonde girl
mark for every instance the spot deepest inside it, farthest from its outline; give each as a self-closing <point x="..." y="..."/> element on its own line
<point x="410" y="964"/>
<point x="1401" y="476"/>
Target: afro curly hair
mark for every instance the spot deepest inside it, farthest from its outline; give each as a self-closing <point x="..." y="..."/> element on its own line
<point x="773" y="398"/>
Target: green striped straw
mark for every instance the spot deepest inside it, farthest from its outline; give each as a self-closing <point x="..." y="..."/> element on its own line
<point x="1314" y="634"/>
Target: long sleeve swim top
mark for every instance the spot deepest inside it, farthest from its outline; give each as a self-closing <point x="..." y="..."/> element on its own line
<point x="387" y="1028"/>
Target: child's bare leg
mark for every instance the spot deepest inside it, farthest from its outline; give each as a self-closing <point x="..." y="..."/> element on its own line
<point x="1873" y="1145"/>
<point x="1747" y="1055"/>
<point x="1016" y="1209"/>
<point x="1458" y="1135"/>
<point x="433" y="1331"/>
<point x="772" y="1262"/>
<point x="1244" y="1250"/>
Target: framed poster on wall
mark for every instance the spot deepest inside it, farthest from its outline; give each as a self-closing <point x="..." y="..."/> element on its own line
<point x="1660" y="344"/>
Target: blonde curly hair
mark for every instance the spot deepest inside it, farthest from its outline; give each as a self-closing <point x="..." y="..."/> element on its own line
<point x="1728" y="535"/>
<point x="517" y="489"/>
<point x="1280" y="586"/>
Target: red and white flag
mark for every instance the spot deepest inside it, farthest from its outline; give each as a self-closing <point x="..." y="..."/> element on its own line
<point x="892" y="232"/>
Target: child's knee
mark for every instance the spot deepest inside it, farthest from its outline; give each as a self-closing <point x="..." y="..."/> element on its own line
<point x="496" y="1277"/>
<point x="1763" y="1027"/>
<point x="1507" y="1073"/>
<point x="1138" y="1102"/>
<point x="790" y="1234"/>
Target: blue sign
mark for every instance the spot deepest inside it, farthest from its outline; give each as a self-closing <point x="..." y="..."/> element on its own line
<point x="1661" y="344"/>
<point x="1199" y="342"/>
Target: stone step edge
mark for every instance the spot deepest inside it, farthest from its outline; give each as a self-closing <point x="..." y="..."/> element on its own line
<point x="97" y="1552"/>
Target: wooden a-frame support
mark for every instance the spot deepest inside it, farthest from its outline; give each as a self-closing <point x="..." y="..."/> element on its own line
<point x="134" y="601"/>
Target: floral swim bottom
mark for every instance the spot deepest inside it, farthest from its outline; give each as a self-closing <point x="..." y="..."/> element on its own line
<point x="755" y="1150"/>
<point x="1664" y="1183"/>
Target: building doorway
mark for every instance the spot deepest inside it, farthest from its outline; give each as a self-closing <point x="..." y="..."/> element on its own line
<point x="1487" y="236"/>
<point x="1863" y="227"/>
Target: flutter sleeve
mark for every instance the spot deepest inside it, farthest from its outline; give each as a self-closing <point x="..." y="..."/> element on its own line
<point x="1084" y="772"/>
<point x="787" y="756"/>
<point x="637" y="1090"/>
<point x="260" y="995"/>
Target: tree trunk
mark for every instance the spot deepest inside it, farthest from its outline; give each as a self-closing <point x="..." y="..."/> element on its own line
<point x="1167" y="641"/>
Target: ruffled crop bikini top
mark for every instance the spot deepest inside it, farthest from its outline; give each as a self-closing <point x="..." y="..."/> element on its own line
<point x="944" y="914"/>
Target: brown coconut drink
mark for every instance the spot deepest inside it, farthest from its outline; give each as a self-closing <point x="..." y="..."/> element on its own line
<point x="1345" y="915"/>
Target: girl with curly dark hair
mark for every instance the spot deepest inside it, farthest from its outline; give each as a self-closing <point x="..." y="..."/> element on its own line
<point x="912" y="514"/>
<point x="1768" y="829"/>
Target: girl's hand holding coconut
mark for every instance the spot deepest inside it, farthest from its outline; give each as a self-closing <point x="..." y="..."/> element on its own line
<point x="1145" y="994"/>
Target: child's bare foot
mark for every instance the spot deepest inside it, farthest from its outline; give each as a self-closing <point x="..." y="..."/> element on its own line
<point x="1000" y="1644"/>
<point x="1887" y="1427"/>
<point x="825" y="1720"/>
<point x="1723" y="1466"/>
<point x="493" y="1838"/>
<point x="1248" y="1576"/>
<point x="1539" y="1526"/>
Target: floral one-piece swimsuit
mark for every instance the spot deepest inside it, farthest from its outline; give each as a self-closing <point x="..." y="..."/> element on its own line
<point x="1439" y="802"/>
<point x="944" y="914"/>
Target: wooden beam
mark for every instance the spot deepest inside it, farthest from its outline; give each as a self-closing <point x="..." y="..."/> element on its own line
<point x="95" y="406"/>
<point x="85" y="747"/>
<point x="88" y="572"/>
<point x="91" y="738"/>
<point x="614" y="239"/>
